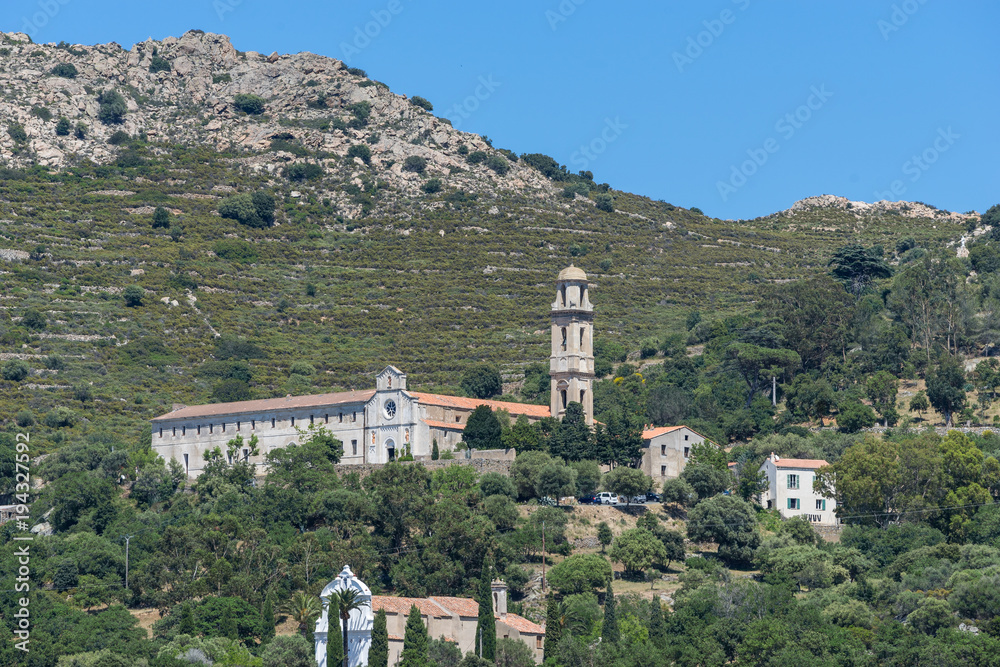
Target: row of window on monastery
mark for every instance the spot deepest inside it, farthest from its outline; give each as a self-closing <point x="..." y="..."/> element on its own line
<point x="253" y="424"/>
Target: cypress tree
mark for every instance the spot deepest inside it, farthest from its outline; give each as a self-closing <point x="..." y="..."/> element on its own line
<point x="334" y="638"/>
<point x="187" y="626"/>
<point x="435" y="452"/>
<point x="378" y="654"/>
<point x="415" y="644"/>
<point x="227" y="625"/>
<point x="267" y="620"/>
<point x="609" y="631"/>
<point x="657" y="628"/>
<point x="553" y="630"/>
<point x="486" y="628"/>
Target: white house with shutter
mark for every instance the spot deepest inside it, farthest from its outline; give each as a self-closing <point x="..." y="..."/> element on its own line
<point x="790" y="490"/>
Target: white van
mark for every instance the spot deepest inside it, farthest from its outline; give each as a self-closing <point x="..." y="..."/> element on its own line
<point x="607" y="498"/>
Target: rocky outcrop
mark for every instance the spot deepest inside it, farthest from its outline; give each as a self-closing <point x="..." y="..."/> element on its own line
<point x="862" y="209"/>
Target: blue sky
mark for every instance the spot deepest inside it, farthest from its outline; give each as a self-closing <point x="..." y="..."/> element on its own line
<point x="739" y="107"/>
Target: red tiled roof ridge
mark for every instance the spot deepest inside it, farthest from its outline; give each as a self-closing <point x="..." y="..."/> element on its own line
<point x="434" y="423"/>
<point x="521" y="624"/>
<point x="800" y="463"/>
<point x="472" y="403"/>
<point x="269" y="404"/>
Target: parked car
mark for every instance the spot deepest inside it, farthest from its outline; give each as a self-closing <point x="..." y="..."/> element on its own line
<point x="652" y="497"/>
<point x="589" y="499"/>
<point x="637" y="500"/>
<point x="607" y="498"/>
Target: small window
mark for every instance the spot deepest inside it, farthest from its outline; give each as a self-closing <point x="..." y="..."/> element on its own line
<point x="354" y="416"/>
<point x="223" y="427"/>
<point x="175" y="431"/>
<point x="793" y="481"/>
<point x="237" y="426"/>
<point x="685" y="437"/>
<point x="326" y="419"/>
<point x="794" y="504"/>
<point x="229" y="457"/>
<point x="458" y="419"/>
<point x="184" y="430"/>
<point x="687" y="452"/>
<point x="246" y="454"/>
<point x="211" y="428"/>
<point x="253" y="424"/>
<point x="563" y="393"/>
<point x="663" y="450"/>
<point x="354" y="447"/>
<point x="821" y="505"/>
<point x="564" y="339"/>
<point x="161" y="431"/>
<point x="538" y="642"/>
<point x="311" y="420"/>
<point x="663" y="471"/>
<point x="272" y="422"/>
<point x="341" y="417"/>
<point x="583" y="332"/>
<point x="186" y="468"/>
<point x="199" y="429"/>
<point x="583" y="392"/>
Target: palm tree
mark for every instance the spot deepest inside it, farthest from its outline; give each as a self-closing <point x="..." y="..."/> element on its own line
<point x="347" y="601"/>
<point x="303" y="609"/>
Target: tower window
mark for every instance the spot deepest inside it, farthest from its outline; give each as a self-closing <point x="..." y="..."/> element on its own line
<point x="563" y="393"/>
<point x="564" y="339"/>
<point x="583" y="332"/>
<point x="583" y="392"/>
<point x="563" y="295"/>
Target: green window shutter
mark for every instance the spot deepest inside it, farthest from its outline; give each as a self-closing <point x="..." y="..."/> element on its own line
<point x="824" y="505"/>
<point x="789" y="503"/>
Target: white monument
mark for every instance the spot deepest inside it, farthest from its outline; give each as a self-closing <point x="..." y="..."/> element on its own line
<point x="359" y="624"/>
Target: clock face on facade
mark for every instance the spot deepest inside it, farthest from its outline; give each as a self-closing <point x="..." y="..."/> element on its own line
<point x="390" y="409"/>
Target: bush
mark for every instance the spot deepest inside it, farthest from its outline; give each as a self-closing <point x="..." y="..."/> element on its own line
<point x="855" y="416"/>
<point x="415" y="163"/>
<point x="432" y="186"/>
<point x="357" y="71"/>
<point x="482" y="381"/>
<point x="63" y="127"/>
<point x="15" y="370"/>
<point x="159" y="64"/>
<point x="24" y="418"/>
<point x="17" y="133"/>
<point x="133" y="296"/>
<point x="112" y="108"/>
<point x="360" y="151"/>
<point x="161" y="217"/>
<point x="604" y="202"/>
<point x="42" y="112"/>
<point x="65" y="70"/>
<point x="477" y="157"/>
<point x="301" y="171"/>
<point x="498" y="164"/>
<point x="421" y="102"/>
<point x="235" y="250"/>
<point x="80" y="131"/>
<point x="119" y="137"/>
<point x="60" y="417"/>
<point x="252" y="210"/>
<point x="34" y="319"/>
<point x="249" y="104"/>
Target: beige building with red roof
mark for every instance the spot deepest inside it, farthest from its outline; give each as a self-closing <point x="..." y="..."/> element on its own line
<point x="790" y="490"/>
<point x="455" y="619"/>
<point x="666" y="450"/>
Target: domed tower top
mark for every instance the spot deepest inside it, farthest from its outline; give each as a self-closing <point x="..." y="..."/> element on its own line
<point x="572" y="291"/>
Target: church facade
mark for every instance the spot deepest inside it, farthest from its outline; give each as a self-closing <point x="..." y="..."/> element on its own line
<point x="382" y="424"/>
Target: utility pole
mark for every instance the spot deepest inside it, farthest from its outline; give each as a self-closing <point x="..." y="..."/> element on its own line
<point x="774" y="391"/>
<point x="543" y="556"/>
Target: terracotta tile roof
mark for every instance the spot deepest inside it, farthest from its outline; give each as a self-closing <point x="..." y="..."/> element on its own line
<point x="395" y="605"/>
<point x="446" y="426"/>
<point x="660" y="430"/>
<point x="460" y="402"/>
<point x="269" y="405"/>
<point x="805" y="464"/>
<point x="522" y="624"/>
<point x="461" y="606"/>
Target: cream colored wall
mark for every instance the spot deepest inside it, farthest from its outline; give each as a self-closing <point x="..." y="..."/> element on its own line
<point x="663" y="457"/>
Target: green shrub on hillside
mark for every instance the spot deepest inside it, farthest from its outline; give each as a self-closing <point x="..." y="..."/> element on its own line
<point x="498" y="164"/>
<point x="431" y="186"/>
<point x="63" y="127"/>
<point x="249" y="104"/>
<point x="360" y="151"/>
<point x="15" y="370"/>
<point x="302" y="171"/>
<point x="604" y="202"/>
<point x="235" y="250"/>
<point x="159" y="64"/>
<point x="65" y="70"/>
<point x="252" y="210"/>
<point x="17" y="133"/>
<point x="415" y="163"/>
<point x="112" y="108"/>
<point x="421" y="102"/>
<point x="133" y="296"/>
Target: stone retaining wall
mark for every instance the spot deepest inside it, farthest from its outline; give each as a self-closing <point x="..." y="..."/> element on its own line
<point x="481" y="466"/>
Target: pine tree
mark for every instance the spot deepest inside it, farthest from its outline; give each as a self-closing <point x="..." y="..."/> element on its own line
<point x="227" y="625"/>
<point x="334" y="638"/>
<point x="609" y="631"/>
<point x="657" y="628"/>
<point x="378" y="654"/>
<point x="187" y="626"/>
<point x="415" y="643"/>
<point x="553" y="630"/>
<point x="486" y="628"/>
<point x="267" y="620"/>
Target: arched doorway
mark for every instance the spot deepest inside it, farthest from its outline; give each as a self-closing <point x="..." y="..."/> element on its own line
<point x="390" y="447"/>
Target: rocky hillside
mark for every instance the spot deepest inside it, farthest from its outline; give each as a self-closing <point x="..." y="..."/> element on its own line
<point x="395" y="239"/>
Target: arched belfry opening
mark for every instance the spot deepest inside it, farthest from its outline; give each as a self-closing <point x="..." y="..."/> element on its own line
<point x="571" y="364"/>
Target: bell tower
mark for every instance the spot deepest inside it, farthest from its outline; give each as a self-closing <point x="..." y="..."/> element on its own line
<point x="571" y="365"/>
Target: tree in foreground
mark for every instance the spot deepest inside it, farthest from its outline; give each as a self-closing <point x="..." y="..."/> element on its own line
<point x="303" y="609"/>
<point x="514" y="653"/>
<point x="609" y="630"/>
<point x="482" y="429"/>
<point x="729" y="522"/>
<point x="335" y="652"/>
<point x="486" y="627"/>
<point x="348" y="600"/>
<point x="378" y="654"/>
<point x="289" y="651"/>
<point x="637" y="549"/>
<point x="415" y="641"/>
<point x="580" y="573"/>
<point x="946" y="388"/>
<point x="553" y="628"/>
<point x="627" y="482"/>
<point x="604" y="535"/>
